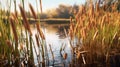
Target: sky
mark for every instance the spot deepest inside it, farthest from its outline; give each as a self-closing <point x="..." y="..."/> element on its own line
<point x="46" y="4"/>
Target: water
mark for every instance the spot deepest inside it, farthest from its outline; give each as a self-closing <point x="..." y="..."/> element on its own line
<point x="55" y="36"/>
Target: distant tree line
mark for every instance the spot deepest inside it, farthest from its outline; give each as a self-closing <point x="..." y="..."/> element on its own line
<point x="63" y="11"/>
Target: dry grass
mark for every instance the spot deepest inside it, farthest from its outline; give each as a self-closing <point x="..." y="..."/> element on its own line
<point x="99" y="31"/>
<point x="14" y="43"/>
<point x="95" y="26"/>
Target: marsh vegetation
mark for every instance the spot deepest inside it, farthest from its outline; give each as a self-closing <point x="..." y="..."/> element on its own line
<point x="92" y="34"/>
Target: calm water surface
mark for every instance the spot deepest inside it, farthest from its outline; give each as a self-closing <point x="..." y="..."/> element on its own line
<point x="55" y="36"/>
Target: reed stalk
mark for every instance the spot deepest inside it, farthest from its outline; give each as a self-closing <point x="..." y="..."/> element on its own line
<point x="98" y="31"/>
<point x="25" y="21"/>
<point x="52" y="54"/>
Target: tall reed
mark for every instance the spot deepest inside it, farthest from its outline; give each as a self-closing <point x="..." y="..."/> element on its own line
<point x="97" y="29"/>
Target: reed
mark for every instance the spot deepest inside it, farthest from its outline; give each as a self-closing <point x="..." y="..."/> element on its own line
<point x="40" y="31"/>
<point x="97" y="29"/>
<point x="40" y="5"/>
<point x="14" y="29"/>
<point x="32" y="11"/>
<point x="26" y="23"/>
<point x="52" y="54"/>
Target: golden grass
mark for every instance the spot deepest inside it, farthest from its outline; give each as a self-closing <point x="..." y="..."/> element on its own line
<point x="98" y="28"/>
<point x="94" y="25"/>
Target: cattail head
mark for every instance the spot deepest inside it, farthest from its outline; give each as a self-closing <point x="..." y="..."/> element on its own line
<point x="32" y="11"/>
<point x="25" y="21"/>
<point x="91" y="9"/>
<point x="41" y="5"/>
<point x="9" y="43"/>
<point x="81" y="9"/>
<point x="114" y="7"/>
<point x="14" y="29"/>
<point x="65" y="56"/>
<point x="97" y="7"/>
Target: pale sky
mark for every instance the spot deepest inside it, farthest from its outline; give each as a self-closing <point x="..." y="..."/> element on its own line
<point x="46" y="4"/>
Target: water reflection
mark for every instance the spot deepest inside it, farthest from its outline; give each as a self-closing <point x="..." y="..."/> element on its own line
<point x="55" y="36"/>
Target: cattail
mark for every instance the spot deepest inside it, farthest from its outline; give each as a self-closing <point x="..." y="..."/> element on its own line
<point x="26" y="23"/>
<point x="41" y="5"/>
<point x="9" y="43"/>
<point x="14" y="29"/>
<point x="80" y="10"/>
<point x="65" y="56"/>
<point x="113" y="6"/>
<point x="91" y="9"/>
<point x="37" y="40"/>
<point x="40" y="31"/>
<point x="97" y="6"/>
<point x="32" y="11"/>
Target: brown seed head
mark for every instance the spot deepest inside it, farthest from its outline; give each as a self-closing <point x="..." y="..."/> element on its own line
<point x="9" y="43"/>
<point x="25" y="21"/>
<point x="32" y="11"/>
<point x="41" y="5"/>
<point x="65" y="56"/>
<point x="14" y="29"/>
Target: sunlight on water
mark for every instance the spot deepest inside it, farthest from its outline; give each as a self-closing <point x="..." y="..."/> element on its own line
<point x="52" y="34"/>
